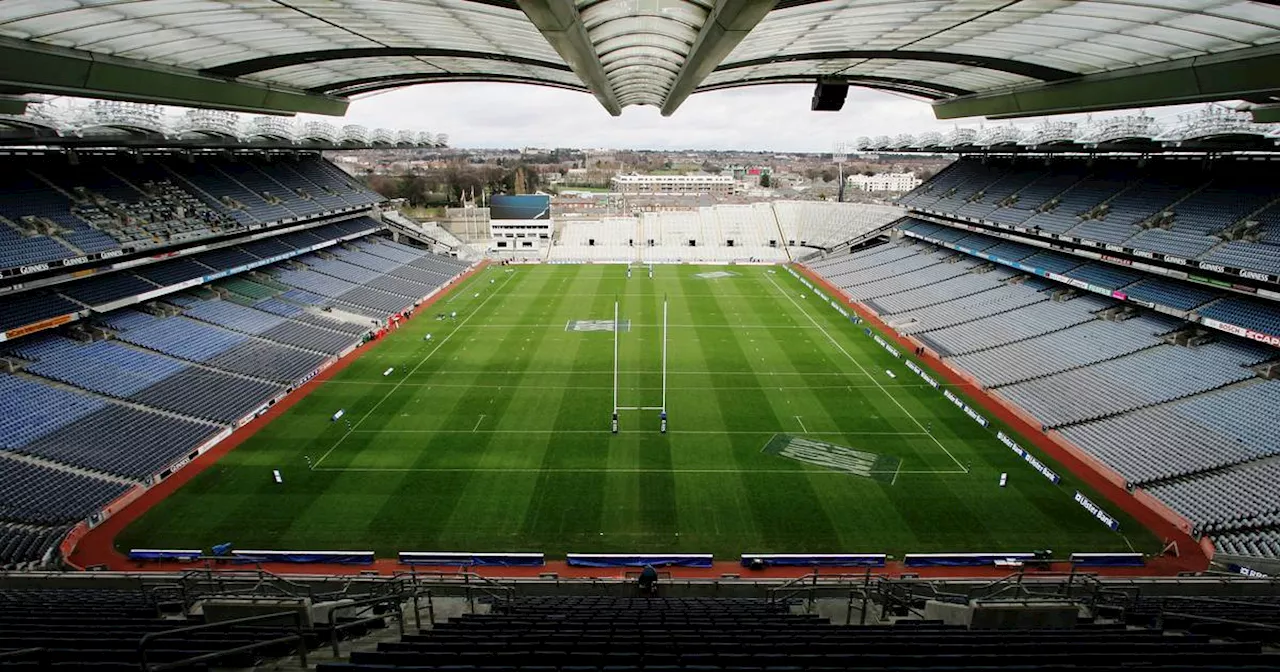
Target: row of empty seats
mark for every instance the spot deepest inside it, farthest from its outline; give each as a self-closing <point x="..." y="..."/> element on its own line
<point x="1258" y="315"/>
<point x="721" y="233"/>
<point x="101" y="629"/>
<point x="78" y="295"/>
<point x="1154" y="397"/>
<point x="1224" y="212"/>
<point x="104" y="405"/>
<point x="28" y="545"/>
<point x="586" y="634"/>
<point x="52" y="208"/>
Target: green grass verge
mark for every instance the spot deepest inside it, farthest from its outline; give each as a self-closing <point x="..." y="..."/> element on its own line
<point x="494" y="436"/>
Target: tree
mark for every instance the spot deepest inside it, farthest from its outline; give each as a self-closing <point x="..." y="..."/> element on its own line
<point x="765" y="180"/>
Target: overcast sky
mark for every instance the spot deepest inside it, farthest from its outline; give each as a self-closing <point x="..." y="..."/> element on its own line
<point x="764" y="117"/>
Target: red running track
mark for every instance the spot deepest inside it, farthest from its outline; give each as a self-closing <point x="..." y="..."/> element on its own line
<point x="1193" y="555"/>
<point x="97" y="546"/>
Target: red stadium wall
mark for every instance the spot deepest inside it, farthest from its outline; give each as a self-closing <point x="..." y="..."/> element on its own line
<point x="1194" y="555"/>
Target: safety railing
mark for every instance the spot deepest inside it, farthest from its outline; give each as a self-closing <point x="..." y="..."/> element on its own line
<point x="298" y="636"/>
<point x="1237" y="627"/>
<point x="361" y="607"/>
<point x="251" y="579"/>
<point x="36" y="654"/>
<point x="810" y="587"/>
<point x="472" y="584"/>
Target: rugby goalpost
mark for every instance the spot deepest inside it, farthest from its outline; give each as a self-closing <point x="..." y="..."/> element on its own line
<point x="663" y="407"/>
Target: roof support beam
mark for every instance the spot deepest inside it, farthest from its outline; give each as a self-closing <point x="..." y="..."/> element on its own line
<point x="356" y="87"/>
<point x="893" y="84"/>
<point x="560" y="23"/>
<point x="35" y="68"/>
<point x="1265" y="114"/>
<point x="14" y="105"/>
<point x="256" y="65"/>
<point x="1008" y="65"/>
<point x="726" y="26"/>
<point x="1241" y="73"/>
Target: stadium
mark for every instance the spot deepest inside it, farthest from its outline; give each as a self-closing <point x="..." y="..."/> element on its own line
<point x="254" y="415"/>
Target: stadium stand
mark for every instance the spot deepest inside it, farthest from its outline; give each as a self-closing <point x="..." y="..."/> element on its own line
<point x="23" y="545"/>
<point x="606" y="240"/>
<point x="177" y="380"/>
<point x="27" y="488"/>
<point x="1221" y="211"/>
<point x="578" y="626"/>
<point x="768" y="232"/>
<point x="53" y="211"/>
<point x="122" y="441"/>
<point x="101" y="406"/>
<point x="580" y="633"/>
<point x="100" y="629"/>
<point x="1169" y="405"/>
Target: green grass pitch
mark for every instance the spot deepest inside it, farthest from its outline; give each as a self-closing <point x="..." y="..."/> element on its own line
<point x="494" y="436"/>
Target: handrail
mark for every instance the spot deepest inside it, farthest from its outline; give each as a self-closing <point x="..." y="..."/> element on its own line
<point x="1222" y="621"/>
<point x="299" y="637"/>
<point x="334" y="627"/>
<point x="810" y="583"/>
<point x="1219" y="600"/>
<point x="468" y="581"/>
<point x="40" y="653"/>
<point x="263" y="576"/>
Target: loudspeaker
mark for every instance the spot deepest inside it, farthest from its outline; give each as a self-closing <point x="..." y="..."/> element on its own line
<point x="829" y="96"/>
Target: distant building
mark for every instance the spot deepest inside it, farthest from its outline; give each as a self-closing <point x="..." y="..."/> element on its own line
<point x="884" y="182"/>
<point x="721" y="185"/>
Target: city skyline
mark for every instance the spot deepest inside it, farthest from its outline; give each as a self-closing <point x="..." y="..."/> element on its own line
<point x="765" y="118"/>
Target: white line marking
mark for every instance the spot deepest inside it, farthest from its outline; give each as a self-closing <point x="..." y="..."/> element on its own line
<point x="606" y="470"/>
<point x="473" y="429"/>
<point x="897" y="470"/>
<point x="865" y="372"/>
<point x="801" y="424"/>
<point x="459" y="372"/>
<point x="601" y="431"/>
<point x="636" y="325"/>
<point x="469" y="386"/>
<point x="392" y="391"/>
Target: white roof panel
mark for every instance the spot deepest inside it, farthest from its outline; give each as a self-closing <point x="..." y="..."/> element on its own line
<point x="642" y="45"/>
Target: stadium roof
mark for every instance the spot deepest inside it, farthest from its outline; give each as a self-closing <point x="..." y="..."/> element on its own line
<point x="969" y="57"/>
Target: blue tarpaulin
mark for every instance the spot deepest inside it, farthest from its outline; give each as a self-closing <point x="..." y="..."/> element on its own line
<point x="622" y="560"/>
<point x="164" y="554"/>
<point x="816" y="560"/>
<point x="472" y="559"/>
<point x="326" y="557"/>
<point x="960" y="559"/>
<point x="1108" y="559"/>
